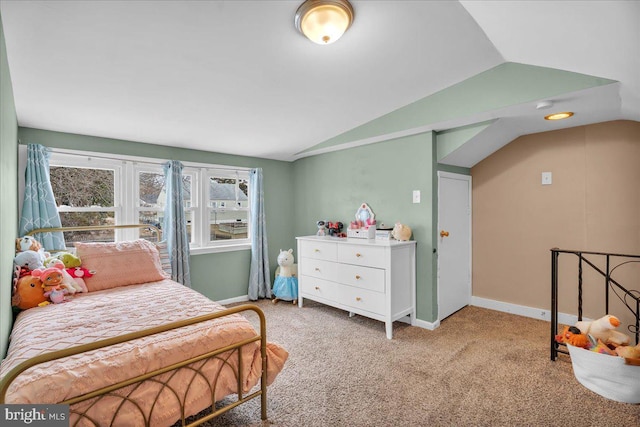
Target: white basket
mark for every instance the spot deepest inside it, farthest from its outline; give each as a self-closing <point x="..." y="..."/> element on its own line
<point x="608" y="376"/>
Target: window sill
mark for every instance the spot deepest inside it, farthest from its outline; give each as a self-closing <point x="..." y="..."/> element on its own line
<point x="231" y="247"/>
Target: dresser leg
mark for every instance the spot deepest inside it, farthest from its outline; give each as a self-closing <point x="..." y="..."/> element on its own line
<point x="389" y="328"/>
<point x="300" y="301"/>
<point x="351" y="314"/>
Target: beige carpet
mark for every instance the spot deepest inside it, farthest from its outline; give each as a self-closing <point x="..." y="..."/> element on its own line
<point x="479" y="368"/>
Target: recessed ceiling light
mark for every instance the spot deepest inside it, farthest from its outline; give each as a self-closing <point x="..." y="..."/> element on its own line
<point x="559" y="116"/>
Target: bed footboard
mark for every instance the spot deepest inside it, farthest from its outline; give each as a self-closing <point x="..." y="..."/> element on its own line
<point x="122" y="391"/>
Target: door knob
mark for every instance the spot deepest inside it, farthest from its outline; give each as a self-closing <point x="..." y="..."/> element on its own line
<point x="444" y="233"/>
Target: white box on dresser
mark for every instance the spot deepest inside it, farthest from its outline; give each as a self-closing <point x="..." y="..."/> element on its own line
<point x="372" y="278"/>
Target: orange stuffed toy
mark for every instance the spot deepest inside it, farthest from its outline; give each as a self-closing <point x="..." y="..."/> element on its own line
<point x="28" y="293"/>
<point x="571" y="335"/>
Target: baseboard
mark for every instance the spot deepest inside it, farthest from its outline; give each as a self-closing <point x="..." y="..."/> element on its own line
<point x="242" y="298"/>
<point x="426" y="325"/>
<point x="522" y="310"/>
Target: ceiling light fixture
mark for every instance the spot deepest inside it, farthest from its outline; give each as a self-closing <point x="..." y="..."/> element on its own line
<point x="324" y="21"/>
<point x="543" y="104"/>
<point x="559" y="116"/>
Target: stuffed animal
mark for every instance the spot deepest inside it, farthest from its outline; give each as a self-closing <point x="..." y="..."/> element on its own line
<point x="285" y="287"/>
<point x="51" y="278"/>
<point x="28" y="259"/>
<point x="29" y="243"/>
<point x="571" y="335"/>
<point x="79" y="274"/>
<point x="603" y="328"/>
<point x="628" y="352"/>
<point x="28" y="293"/>
<point x="56" y="296"/>
<point x="401" y="232"/>
<point x="321" y="229"/>
<point x="335" y="228"/>
<point x="69" y="259"/>
<point x="71" y="284"/>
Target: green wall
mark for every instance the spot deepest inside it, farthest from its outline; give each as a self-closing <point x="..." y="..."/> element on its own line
<point x="219" y="276"/>
<point x="8" y="192"/>
<point x="331" y="186"/>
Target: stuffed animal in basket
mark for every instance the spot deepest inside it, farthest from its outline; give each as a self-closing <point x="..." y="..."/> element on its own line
<point x="571" y="335"/>
<point x="285" y="287"/>
<point x="603" y="328"/>
<point x="28" y="293"/>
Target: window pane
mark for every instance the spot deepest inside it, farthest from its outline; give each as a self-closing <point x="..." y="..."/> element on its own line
<point x="154" y="218"/>
<point x="82" y="187"/>
<point x="228" y="224"/>
<point x="186" y="191"/>
<point x="75" y="219"/>
<point x="151" y="190"/>
<point x="222" y="192"/>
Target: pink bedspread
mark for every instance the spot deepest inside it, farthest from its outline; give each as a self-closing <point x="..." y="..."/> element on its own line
<point x="104" y="314"/>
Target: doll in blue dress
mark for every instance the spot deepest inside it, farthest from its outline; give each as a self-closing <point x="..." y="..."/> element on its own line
<point x="285" y="287"/>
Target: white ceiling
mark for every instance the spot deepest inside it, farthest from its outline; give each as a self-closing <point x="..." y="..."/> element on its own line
<point x="235" y="76"/>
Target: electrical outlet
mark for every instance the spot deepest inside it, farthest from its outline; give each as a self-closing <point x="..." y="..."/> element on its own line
<point x="416" y="196"/>
<point x="546" y="178"/>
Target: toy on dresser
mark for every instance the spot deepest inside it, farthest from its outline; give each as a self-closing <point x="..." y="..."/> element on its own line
<point x="285" y="287"/>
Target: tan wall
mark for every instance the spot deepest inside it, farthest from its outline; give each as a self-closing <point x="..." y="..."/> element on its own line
<point x="592" y="205"/>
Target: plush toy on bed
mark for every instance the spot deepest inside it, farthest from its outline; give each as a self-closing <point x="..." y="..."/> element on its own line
<point x="285" y="287"/>
<point x="29" y="259"/>
<point x="51" y="278"/>
<point x="603" y="328"/>
<point x="29" y="243"/>
<point x="69" y="282"/>
<point x="28" y="293"/>
<point x="79" y="274"/>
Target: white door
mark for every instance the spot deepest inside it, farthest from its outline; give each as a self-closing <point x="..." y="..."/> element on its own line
<point x="454" y="243"/>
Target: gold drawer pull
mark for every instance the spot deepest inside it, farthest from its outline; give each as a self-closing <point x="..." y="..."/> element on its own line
<point x="317" y="288"/>
<point x="358" y="255"/>
<point x="358" y="299"/>
<point x="316" y="250"/>
<point x="317" y="269"/>
<point x="357" y="277"/>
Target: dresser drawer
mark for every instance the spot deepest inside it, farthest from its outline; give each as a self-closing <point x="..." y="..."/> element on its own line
<point x="319" y="269"/>
<point x="319" y="250"/>
<point x="319" y="288"/>
<point x="361" y="255"/>
<point x="363" y="299"/>
<point x="362" y="277"/>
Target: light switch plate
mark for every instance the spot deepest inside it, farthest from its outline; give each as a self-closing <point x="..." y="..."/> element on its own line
<point x="416" y="196"/>
<point x="546" y="178"/>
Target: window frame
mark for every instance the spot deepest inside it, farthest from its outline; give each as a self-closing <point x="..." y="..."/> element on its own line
<point x="127" y="207"/>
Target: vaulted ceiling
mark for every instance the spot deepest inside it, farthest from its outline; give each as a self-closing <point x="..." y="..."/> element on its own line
<point x="236" y="77"/>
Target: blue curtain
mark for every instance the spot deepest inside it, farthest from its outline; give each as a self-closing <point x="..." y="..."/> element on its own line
<point x="175" y="224"/>
<point x="259" y="277"/>
<point x="39" y="209"/>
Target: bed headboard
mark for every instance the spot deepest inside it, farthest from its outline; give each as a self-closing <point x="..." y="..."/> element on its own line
<point x="152" y="228"/>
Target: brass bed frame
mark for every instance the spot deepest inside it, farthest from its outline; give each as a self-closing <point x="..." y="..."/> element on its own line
<point x="222" y="354"/>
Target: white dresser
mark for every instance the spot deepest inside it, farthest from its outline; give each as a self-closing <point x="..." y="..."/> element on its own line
<point x="372" y="278"/>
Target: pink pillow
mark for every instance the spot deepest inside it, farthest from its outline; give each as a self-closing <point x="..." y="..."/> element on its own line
<point x="120" y="263"/>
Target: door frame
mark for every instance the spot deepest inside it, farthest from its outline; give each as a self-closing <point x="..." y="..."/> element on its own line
<point x="451" y="175"/>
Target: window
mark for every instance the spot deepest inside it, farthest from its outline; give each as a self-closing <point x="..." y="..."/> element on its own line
<point x="228" y="205"/>
<point x="97" y="191"/>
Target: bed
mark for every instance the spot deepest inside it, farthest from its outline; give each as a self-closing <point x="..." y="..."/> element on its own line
<point x="150" y="353"/>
